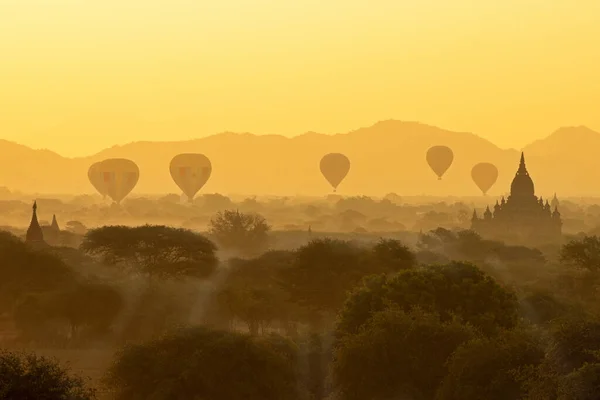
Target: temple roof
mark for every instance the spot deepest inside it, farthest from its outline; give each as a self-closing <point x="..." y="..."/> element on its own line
<point x="522" y="185"/>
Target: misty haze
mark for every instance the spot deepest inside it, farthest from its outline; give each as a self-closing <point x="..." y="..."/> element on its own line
<point x="299" y="200"/>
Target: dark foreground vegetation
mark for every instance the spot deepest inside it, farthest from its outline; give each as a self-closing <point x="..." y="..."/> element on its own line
<point x="455" y="317"/>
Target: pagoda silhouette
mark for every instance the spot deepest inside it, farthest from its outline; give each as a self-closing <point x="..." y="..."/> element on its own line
<point x="521" y="218"/>
<point x="34" y="232"/>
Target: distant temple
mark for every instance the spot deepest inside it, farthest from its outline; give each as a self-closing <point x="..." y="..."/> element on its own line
<point x="522" y="217"/>
<point x="54" y="225"/>
<point x="34" y="232"/>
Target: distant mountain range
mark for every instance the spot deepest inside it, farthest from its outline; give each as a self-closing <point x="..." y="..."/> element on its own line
<point x="386" y="157"/>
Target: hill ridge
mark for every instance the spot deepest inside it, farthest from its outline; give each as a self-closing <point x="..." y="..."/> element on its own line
<point x="387" y="156"/>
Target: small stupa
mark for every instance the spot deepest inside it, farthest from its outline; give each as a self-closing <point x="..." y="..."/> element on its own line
<point x="54" y="226"/>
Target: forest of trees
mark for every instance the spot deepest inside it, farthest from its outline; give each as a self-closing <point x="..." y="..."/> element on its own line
<point x="456" y="317"/>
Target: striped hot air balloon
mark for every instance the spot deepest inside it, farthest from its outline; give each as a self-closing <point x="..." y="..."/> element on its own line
<point x="120" y="176"/>
<point x="190" y="172"/>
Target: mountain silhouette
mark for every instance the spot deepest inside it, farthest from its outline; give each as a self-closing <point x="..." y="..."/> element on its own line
<point x="386" y="157"/>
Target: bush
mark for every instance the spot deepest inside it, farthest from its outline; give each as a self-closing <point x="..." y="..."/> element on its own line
<point x="29" y="377"/>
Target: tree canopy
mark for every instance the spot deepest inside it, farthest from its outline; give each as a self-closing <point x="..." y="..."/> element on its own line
<point x="24" y="270"/>
<point x="492" y="369"/>
<point x="154" y="250"/>
<point x="396" y="354"/>
<point x="252" y="292"/>
<point x="247" y="233"/>
<point x="453" y="290"/>
<point x="322" y="273"/>
<point x="199" y="363"/>
<point x="583" y="253"/>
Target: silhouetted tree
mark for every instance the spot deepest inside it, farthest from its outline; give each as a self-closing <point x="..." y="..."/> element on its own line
<point x="76" y="227"/>
<point x="396" y="355"/>
<point x="251" y="291"/>
<point x="154" y="250"/>
<point x="30" y="377"/>
<point x="37" y="322"/>
<point x="24" y="270"/>
<point x="91" y="306"/>
<point x="493" y="369"/>
<point x="392" y="256"/>
<point x="582" y="384"/>
<point x="204" y="364"/>
<point x="86" y="308"/>
<point x="214" y="202"/>
<point x="454" y="290"/>
<point x="583" y="253"/>
<point x="323" y="272"/>
<point x="246" y="233"/>
<point x="541" y="307"/>
<point x="575" y="340"/>
<point x="251" y="205"/>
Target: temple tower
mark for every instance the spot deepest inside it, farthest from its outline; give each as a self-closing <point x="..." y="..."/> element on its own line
<point x="34" y="232"/>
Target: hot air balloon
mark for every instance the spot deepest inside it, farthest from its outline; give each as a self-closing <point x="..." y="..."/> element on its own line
<point x="190" y="172"/>
<point x="96" y="179"/>
<point x="335" y="167"/>
<point x="484" y="175"/>
<point x="120" y="177"/>
<point x="439" y="159"/>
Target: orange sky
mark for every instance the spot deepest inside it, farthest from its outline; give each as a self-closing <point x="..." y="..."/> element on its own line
<point x="77" y="76"/>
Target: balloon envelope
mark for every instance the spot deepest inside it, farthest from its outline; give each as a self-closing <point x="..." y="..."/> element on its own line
<point x="190" y="172"/>
<point x="439" y="159"/>
<point x="95" y="177"/>
<point x="484" y="175"/>
<point x="120" y="177"/>
<point x="335" y="167"/>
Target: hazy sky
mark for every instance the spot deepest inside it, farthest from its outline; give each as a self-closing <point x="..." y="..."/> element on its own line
<point x="77" y="76"/>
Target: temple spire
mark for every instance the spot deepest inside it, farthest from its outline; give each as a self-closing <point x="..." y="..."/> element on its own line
<point x="54" y="224"/>
<point x="34" y="232"/>
<point x="522" y="167"/>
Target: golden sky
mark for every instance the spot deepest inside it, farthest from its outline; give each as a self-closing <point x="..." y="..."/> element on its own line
<point x="81" y="75"/>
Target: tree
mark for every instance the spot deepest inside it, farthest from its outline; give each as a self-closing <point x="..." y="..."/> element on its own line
<point x="30" y="377"/>
<point x="453" y="290"/>
<point x="541" y="307"/>
<point x="89" y="306"/>
<point x="153" y="250"/>
<point x="396" y="354"/>
<point x="24" y="270"/>
<point x="35" y="318"/>
<point x="200" y="363"/>
<point x="244" y="232"/>
<point x="86" y="309"/>
<point x="392" y="256"/>
<point x="582" y="384"/>
<point x="76" y="227"/>
<point x="491" y="369"/>
<point x="582" y="253"/>
<point x="251" y="205"/>
<point x="252" y="293"/>
<point x="322" y="274"/>
<point x="574" y="343"/>
<point x="213" y="202"/>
